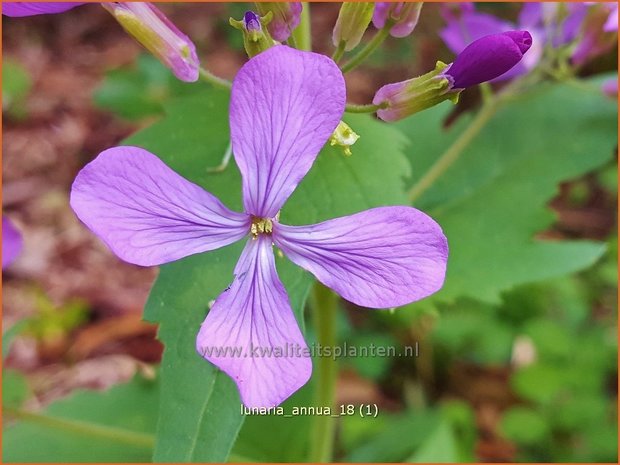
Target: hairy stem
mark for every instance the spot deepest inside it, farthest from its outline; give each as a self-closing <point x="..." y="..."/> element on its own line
<point x="324" y="304"/>
<point x="211" y="78"/>
<point x="368" y="108"/>
<point x="370" y="47"/>
<point x="454" y="151"/>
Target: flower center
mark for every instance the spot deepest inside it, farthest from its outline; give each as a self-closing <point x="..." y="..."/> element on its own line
<point x="261" y="226"/>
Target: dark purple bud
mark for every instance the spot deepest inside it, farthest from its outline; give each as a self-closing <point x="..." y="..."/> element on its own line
<point x="488" y="58"/>
<point x="252" y="22"/>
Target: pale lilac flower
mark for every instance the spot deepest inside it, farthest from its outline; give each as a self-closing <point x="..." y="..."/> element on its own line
<point x="284" y="106"/>
<point x="144" y="22"/>
<point x="611" y="25"/>
<point x="11" y="242"/>
<point x="483" y="60"/>
<point x="405" y="16"/>
<point x="610" y="88"/>
<point x="286" y="17"/>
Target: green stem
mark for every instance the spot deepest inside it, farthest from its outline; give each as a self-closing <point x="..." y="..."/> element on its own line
<point x="84" y="428"/>
<point x="301" y="34"/>
<point x="324" y="304"/>
<point x="368" y="108"/>
<point x="211" y="78"/>
<point x="337" y="55"/>
<point x="370" y="47"/>
<point x="454" y="151"/>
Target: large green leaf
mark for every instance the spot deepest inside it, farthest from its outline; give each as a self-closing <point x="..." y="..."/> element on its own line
<point x="493" y="200"/>
<point x="112" y="426"/>
<point x="199" y="415"/>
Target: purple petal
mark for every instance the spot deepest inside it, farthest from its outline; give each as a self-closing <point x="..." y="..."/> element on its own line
<point x="406" y="15"/>
<point x="531" y="15"/>
<point x="611" y="24"/>
<point x="254" y="316"/>
<point x="146" y="213"/>
<point x="11" y="242"/>
<point x="459" y="34"/>
<point x="380" y="258"/>
<point x="20" y="9"/>
<point x="285" y="104"/>
<point x="488" y="58"/>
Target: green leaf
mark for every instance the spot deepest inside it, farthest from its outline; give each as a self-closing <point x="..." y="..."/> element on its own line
<point x="135" y="93"/>
<point x="15" y="388"/>
<point x="200" y="416"/>
<point x="399" y="438"/>
<point x="493" y="200"/>
<point x="439" y="447"/>
<point x="112" y="426"/>
<point x="524" y="426"/>
<point x="16" y="83"/>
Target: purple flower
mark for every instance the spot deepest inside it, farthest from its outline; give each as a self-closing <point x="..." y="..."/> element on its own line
<point x="483" y="60"/>
<point x="144" y="22"/>
<point x="284" y="106"/>
<point x="610" y="88"/>
<point x="470" y="25"/>
<point x="403" y="15"/>
<point x="286" y="17"/>
<point x="20" y="9"/>
<point x="488" y="58"/>
<point x="11" y="242"/>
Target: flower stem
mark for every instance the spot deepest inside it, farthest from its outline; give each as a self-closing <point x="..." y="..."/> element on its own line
<point x="324" y="304"/>
<point x="225" y="160"/>
<point x="370" y="47"/>
<point x="301" y="34"/>
<point x="368" y="108"/>
<point x="211" y="78"/>
<point x="454" y="151"/>
<point x="337" y="55"/>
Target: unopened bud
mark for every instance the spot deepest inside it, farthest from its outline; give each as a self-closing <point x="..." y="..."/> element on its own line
<point x="344" y="137"/>
<point x="402" y="99"/>
<point x="145" y="23"/>
<point x="286" y="17"/>
<point x="256" y="38"/>
<point x="403" y="17"/>
<point x="483" y="60"/>
<point x="352" y="22"/>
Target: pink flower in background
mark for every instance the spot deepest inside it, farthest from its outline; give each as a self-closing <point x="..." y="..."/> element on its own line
<point x="284" y="106"/>
<point x="11" y="242"/>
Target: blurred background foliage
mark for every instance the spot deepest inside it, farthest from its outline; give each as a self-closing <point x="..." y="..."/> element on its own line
<point x="517" y="354"/>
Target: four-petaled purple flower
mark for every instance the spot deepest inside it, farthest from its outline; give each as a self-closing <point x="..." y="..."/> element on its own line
<point x="284" y="106"/>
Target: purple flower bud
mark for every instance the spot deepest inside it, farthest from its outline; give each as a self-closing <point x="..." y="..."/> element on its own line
<point x="488" y="57"/>
<point x="11" y="242"/>
<point x="403" y="15"/>
<point x="159" y="36"/>
<point x="286" y="17"/>
<point x="251" y="22"/>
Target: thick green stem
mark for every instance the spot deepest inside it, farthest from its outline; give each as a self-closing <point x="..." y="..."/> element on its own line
<point x="370" y="47"/>
<point x="368" y="108"/>
<point x="454" y="151"/>
<point x="324" y="304"/>
<point x="301" y="34"/>
<point x="83" y="428"/>
<point x="211" y="78"/>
